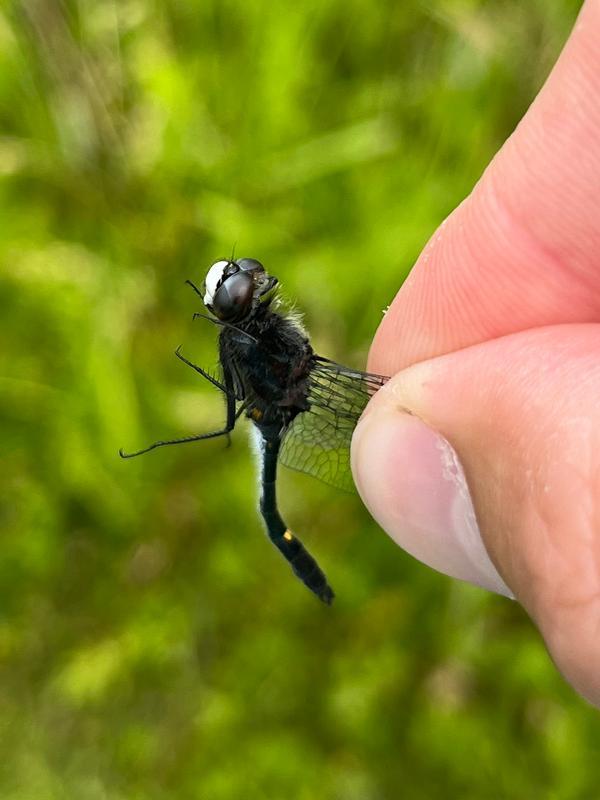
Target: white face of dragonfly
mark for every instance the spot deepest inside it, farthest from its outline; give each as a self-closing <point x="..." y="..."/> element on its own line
<point x="214" y="278"/>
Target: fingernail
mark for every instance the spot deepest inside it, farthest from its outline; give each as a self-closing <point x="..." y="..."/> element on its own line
<point x="412" y="482"/>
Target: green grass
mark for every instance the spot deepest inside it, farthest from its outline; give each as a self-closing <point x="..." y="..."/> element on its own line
<point x="152" y="644"/>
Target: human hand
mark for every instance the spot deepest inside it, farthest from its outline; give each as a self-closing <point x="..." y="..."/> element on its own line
<point x="496" y="334"/>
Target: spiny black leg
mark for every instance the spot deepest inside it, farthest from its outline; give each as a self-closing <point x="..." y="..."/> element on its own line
<point x="232" y="416"/>
<point x="213" y="435"/>
<point x="222" y="324"/>
<point x="292" y="549"/>
<point x="202" y="372"/>
<point x="197" y="315"/>
<point x="195" y="288"/>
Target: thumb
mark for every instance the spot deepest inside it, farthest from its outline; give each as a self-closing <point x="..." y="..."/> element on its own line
<point x="485" y="464"/>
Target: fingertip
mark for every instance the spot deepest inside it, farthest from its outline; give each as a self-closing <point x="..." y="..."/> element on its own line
<point x="411" y="481"/>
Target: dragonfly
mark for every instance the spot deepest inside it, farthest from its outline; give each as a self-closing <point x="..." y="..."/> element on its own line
<point x="304" y="407"/>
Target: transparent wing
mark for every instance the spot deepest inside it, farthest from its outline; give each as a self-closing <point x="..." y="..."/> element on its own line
<point x="318" y="440"/>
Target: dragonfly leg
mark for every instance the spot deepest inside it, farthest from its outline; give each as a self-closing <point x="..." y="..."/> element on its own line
<point x="232" y="417"/>
<point x="302" y="563"/>
<point x="196" y="289"/>
<point x="201" y="371"/>
<point x="212" y="435"/>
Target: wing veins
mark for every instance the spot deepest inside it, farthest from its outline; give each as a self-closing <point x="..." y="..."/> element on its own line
<point x="318" y="440"/>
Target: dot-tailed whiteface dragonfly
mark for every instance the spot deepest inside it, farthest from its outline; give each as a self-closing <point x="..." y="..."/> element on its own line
<point x="304" y="407"/>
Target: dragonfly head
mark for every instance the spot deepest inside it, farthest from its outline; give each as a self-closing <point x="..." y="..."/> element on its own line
<point x="233" y="289"/>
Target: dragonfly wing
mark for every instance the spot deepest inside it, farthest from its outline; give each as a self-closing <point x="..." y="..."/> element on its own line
<point x="318" y="440"/>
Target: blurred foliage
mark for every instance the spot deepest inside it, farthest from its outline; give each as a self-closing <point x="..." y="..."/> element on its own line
<point x="152" y="643"/>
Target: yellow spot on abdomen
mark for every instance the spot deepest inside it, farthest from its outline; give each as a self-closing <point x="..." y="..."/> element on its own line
<point x="288" y="536"/>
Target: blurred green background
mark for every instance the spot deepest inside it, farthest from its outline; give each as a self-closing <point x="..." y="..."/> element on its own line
<point x="152" y="643"/>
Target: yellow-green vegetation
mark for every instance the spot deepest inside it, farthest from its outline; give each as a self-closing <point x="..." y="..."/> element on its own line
<point x="153" y="644"/>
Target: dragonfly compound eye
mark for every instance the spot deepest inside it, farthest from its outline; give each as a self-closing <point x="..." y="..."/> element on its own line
<point x="234" y="297"/>
<point x="249" y="264"/>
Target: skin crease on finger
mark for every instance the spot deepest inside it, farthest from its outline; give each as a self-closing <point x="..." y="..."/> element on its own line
<point x="529" y="441"/>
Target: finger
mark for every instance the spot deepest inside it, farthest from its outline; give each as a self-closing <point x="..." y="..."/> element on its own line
<point x="522" y="414"/>
<point x="522" y="250"/>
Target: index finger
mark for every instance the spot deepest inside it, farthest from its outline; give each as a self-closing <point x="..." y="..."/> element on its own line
<point x="522" y="250"/>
